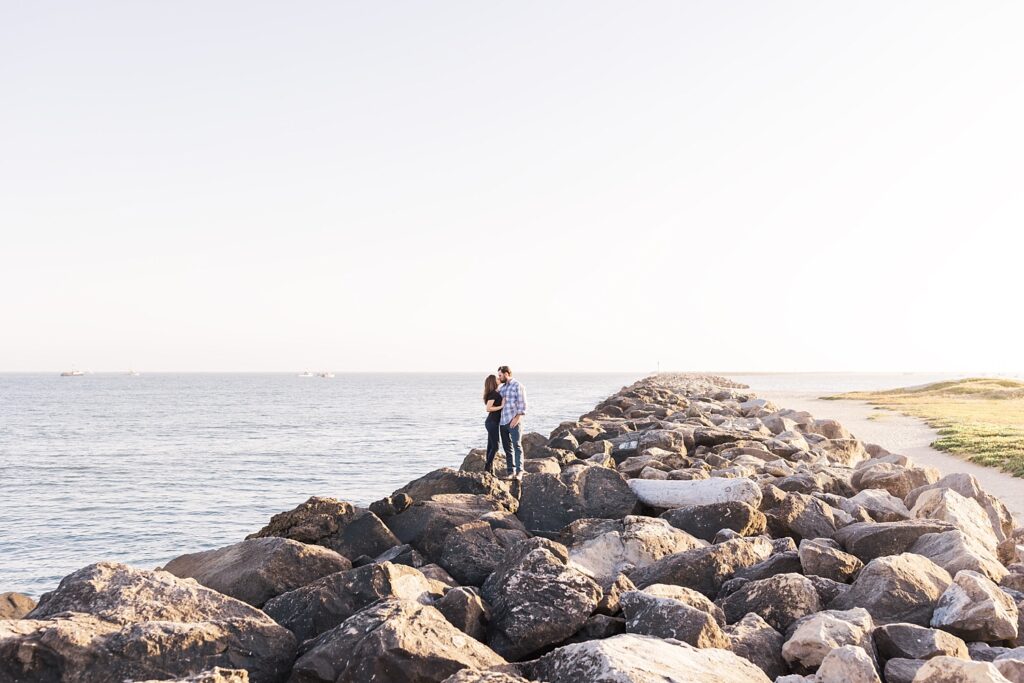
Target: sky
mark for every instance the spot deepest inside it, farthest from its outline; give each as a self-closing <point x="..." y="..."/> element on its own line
<point x="577" y="186"/>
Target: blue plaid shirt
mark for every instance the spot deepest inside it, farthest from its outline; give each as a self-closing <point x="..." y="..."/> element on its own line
<point x="513" y="395"/>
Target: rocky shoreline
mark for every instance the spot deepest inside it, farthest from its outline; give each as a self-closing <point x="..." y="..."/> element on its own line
<point x="683" y="530"/>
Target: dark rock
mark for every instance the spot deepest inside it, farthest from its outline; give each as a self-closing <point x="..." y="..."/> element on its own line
<point x="897" y="588"/>
<point x="551" y="502"/>
<point x="426" y="524"/>
<point x="258" y="569"/>
<point x="435" y="572"/>
<point x="325" y="603"/>
<point x="447" y="481"/>
<point x="15" y="605"/>
<point x="828" y="590"/>
<point x="779" y="600"/>
<point x="135" y="624"/>
<point x="340" y="526"/>
<point x="664" y="617"/>
<point x="536" y="600"/>
<point x="465" y="610"/>
<point x="472" y="550"/>
<point x="909" y="641"/>
<point x="779" y="563"/>
<point x="704" y="521"/>
<point x="391" y="641"/>
<point x="478" y="676"/>
<point x="869" y="540"/>
<point x="900" y="670"/>
<point x="755" y="640"/>
<point x="597" y="627"/>
<point x="391" y="505"/>
<point x="612" y="594"/>
<point x="806" y="517"/>
<point x="400" y="554"/>
<point x="824" y="560"/>
<point x="704" y="569"/>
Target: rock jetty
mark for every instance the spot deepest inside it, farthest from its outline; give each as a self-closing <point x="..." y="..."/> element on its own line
<point x="683" y="530"/>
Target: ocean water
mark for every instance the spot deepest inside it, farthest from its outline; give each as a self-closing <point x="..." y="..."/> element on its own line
<point x="142" y="469"/>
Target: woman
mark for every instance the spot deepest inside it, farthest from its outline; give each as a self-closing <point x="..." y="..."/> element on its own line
<point x="492" y="403"/>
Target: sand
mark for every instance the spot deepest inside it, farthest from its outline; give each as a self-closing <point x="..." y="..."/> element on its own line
<point x="907" y="435"/>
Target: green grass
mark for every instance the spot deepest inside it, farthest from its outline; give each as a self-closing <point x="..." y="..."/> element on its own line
<point x="981" y="419"/>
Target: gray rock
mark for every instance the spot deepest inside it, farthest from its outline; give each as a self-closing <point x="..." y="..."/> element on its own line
<point x="974" y="608"/>
<point x="704" y="521"/>
<point x="632" y="658"/>
<point x="953" y="670"/>
<point x="847" y="664"/>
<point x="340" y="526"/>
<point x="425" y="524"/>
<point x="471" y="551"/>
<point x="955" y="550"/>
<point x="868" y="541"/>
<point x="258" y="569"/>
<point x="391" y="641"/>
<point x="806" y="517"/>
<point x="779" y="600"/>
<point x="550" y="502"/>
<point x="465" y="610"/>
<point x="821" y="559"/>
<point x="320" y="606"/>
<point x="815" y="635"/>
<point x="909" y="641"/>
<point x="665" y="617"/>
<point x="899" y="670"/>
<point x="704" y="569"/>
<point x="897" y="588"/>
<point x="755" y="640"/>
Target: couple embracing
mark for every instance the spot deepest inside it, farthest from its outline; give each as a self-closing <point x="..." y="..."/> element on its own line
<point x="505" y="401"/>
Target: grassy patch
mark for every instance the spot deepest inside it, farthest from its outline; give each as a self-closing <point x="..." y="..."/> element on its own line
<point x="981" y="419"/>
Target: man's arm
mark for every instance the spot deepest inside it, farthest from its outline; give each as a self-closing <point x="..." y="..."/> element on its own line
<point x="520" y="406"/>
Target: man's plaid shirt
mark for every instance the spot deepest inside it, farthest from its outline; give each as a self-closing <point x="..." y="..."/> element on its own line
<point x="513" y="395"/>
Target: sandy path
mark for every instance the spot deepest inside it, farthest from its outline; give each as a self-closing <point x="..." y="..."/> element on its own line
<point x="907" y="435"/>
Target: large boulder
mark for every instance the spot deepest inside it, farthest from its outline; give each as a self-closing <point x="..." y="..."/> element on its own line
<point x="681" y="493"/>
<point x="258" y="569"/>
<point x="705" y="521"/>
<point x="974" y="608"/>
<point x="666" y="617"/>
<point x="536" y="599"/>
<point x="448" y="481"/>
<point x="955" y="550"/>
<point x="465" y="610"/>
<point x="15" y="605"/>
<point x="868" y="540"/>
<point x="897" y="588"/>
<point x="550" y="502"/>
<point x="705" y="569"/>
<point x="472" y="550"/>
<point x="425" y="524"/>
<point x="896" y="479"/>
<point x="602" y="549"/>
<point x="968" y="487"/>
<point x="320" y="606"/>
<point x="814" y="636"/>
<point x="881" y="505"/>
<point x="953" y="670"/>
<point x="847" y="664"/>
<point x="136" y="624"/>
<point x="335" y="524"/>
<point x="819" y="557"/>
<point x="755" y="640"/>
<point x="803" y="516"/>
<point x="909" y="641"/>
<point x="632" y="658"/>
<point x="779" y="600"/>
<point x="391" y="641"/>
<point x="963" y="513"/>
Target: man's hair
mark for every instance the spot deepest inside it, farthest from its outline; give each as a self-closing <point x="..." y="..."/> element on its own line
<point x="506" y="369"/>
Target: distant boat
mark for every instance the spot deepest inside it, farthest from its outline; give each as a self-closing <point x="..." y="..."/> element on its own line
<point x="307" y="373"/>
<point x="132" y="373"/>
<point x="72" y="373"/>
<point x="325" y="375"/>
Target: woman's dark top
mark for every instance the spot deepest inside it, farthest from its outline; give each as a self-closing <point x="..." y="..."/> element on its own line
<point x="496" y="415"/>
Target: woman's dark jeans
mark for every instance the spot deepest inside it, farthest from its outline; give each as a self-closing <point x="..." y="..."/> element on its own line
<point x="492" y="442"/>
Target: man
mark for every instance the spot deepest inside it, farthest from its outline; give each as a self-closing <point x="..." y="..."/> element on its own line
<point x="513" y="408"/>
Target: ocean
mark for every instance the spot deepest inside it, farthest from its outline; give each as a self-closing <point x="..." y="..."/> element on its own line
<point x="142" y="469"/>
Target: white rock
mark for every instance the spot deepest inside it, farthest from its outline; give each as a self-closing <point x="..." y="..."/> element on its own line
<point x="681" y="493"/>
<point x="974" y="608"/>
<point x="816" y="635"/>
<point x="639" y="542"/>
<point x="882" y="505"/>
<point x="632" y="658"/>
<point x="954" y="670"/>
<point x="964" y="513"/>
<point x="848" y="664"/>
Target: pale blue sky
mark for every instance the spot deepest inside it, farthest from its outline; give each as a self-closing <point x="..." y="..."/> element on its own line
<point x="553" y="185"/>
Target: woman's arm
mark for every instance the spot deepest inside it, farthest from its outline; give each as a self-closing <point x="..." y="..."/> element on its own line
<point x="491" y="408"/>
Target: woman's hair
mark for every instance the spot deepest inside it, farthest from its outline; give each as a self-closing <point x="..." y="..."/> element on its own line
<point x="490" y="384"/>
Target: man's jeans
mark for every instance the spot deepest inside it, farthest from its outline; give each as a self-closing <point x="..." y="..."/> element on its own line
<point x="511" y="438"/>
